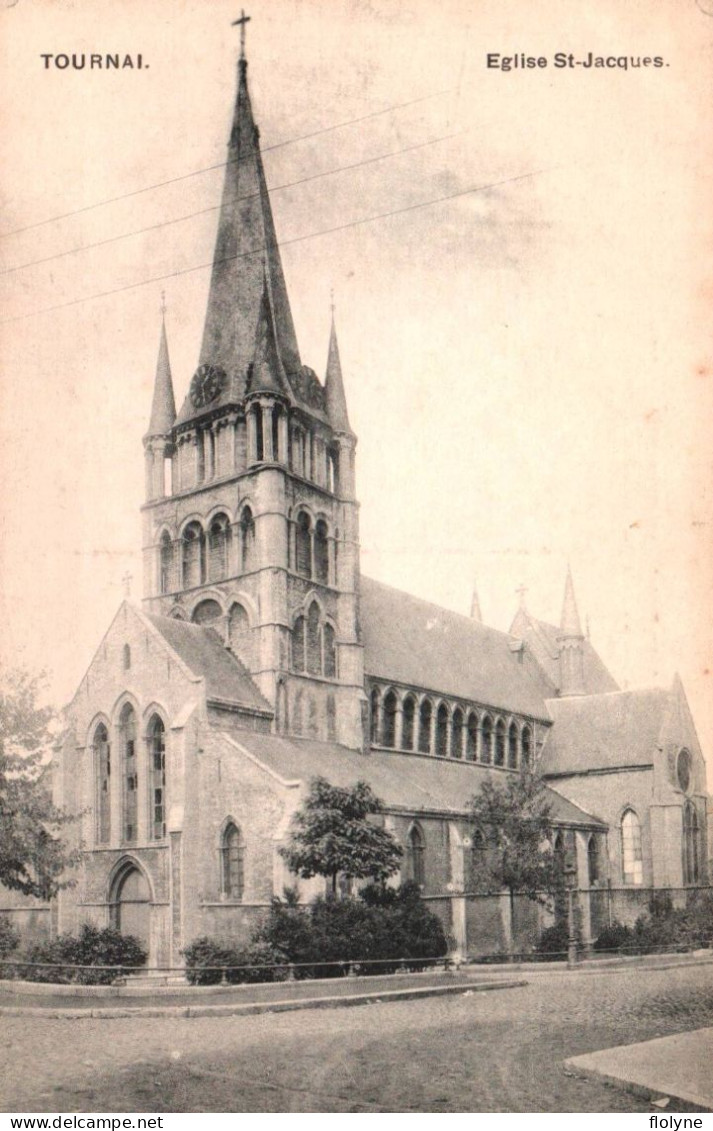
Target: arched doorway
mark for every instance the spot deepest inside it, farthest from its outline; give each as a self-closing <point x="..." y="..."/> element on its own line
<point x="131" y="904"/>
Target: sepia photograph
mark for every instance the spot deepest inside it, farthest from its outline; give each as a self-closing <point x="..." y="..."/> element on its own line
<point x="356" y="672"/>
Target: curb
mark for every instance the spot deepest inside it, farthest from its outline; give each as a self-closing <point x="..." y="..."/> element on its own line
<point x="243" y="1009"/>
<point x="578" y="1066"/>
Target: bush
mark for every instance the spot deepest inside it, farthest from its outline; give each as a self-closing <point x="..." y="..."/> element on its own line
<point x="209" y="962"/>
<point x="9" y="937"/>
<point x="553" y="943"/>
<point x="385" y="923"/>
<point x="93" y="947"/>
<point x="615" y="937"/>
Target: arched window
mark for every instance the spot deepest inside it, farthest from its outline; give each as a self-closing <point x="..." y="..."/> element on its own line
<point x="500" y="743"/>
<point x="424" y="726"/>
<point x="330" y="653"/>
<point x="277" y="455"/>
<point x="631" y="856"/>
<point x="218" y="547"/>
<point x="486" y="735"/>
<point x="166" y="564"/>
<point x="314" y="640"/>
<point x="512" y="746"/>
<point x="126" y="657"/>
<point x="240" y="634"/>
<point x="593" y="860"/>
<point x="259" y="434"/>
<point x="471" y="746"/>
<point x="526" y="747"/>
<point x="298" y="645"/>
<point x="102" y="777"/>
<point x="333" y="470"/>
<point x="374" y="715"/>
<point x="207" y="613"/>
<point x="457" y="734"/>
<point x="321" y="552"/>
<point x="416" y="853"/>
<point x="408" y="713"/>
<point x="388" y="725"/>
<point x="232" y="853"/>
<point x="127" y="730"/>
<point x="442" y="731"/>
<point x="156" y="743"/>
<point x="193" y="556"/>
<point x="303" y="545"/>
<point x="683" y="770"/>
<point x="247" y="540"/>
<point x="691" y="868"/>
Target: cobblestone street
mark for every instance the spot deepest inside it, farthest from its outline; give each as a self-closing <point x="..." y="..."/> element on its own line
<point x="481" y="1052"/>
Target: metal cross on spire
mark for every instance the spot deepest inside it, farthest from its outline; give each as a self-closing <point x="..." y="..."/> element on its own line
<point x="241" y="24"/>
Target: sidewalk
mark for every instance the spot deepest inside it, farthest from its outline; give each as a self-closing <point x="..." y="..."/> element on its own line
<point x="18" y="998"/>
<point x="677" y="1067"/>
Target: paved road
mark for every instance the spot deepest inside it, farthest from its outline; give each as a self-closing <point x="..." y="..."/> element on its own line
<point x="486" y="1052"/>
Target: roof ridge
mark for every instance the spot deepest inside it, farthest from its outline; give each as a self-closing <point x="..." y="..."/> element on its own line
<point x="477" y="625"/>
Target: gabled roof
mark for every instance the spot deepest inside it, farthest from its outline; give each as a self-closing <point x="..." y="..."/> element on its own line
<point x="404" y="782"/>
<point x="599" y="732"/>
<point x="410" y="641"/>
<point x="543" y="640"/>
<point x="205" y="655"/>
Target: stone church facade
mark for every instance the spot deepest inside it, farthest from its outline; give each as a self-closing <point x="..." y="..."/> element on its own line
<point x="261" y="657"/>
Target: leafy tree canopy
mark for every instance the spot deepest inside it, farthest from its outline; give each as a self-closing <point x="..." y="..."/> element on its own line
<point x="514" y="822"/>
<point x="332" y="834"/>
<point x="33" y="857"/>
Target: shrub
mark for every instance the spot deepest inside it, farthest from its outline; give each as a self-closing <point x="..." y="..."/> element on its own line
<point x="9" y="937"/>
<point x="93" y="947"/>
<point x="615" y="937"/>
<point x="552" y="943"/>
<point x="209" y="962"/>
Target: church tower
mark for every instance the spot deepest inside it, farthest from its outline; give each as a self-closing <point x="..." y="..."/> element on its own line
<point x="255" y="530"/>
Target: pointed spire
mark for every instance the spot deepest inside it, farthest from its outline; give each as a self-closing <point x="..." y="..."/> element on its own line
<point x="334" y="385"/>
<point x="570" y="625"/>
<point x="475" y="613"/>
<point x="246" y="238"/>
<point x="266" y="373"/>
<point x="163" y="407"/>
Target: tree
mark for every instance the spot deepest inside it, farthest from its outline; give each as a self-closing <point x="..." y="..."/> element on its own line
<point x="33" y="857"/>
<point x="515" y="823"/>
<point x="332" y="834"/>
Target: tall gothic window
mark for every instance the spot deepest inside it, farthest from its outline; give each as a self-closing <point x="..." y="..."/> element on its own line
<point x="298" y="645"/>
<point x="102" y="772"/>
<point x="486" y="734"/>
<point x="424" y="726"/>
<point x="247" y="540"/>
<point x="512" y="746"/>
<point x="303" y="545"/>
<point x="593" y="860"/>
<point x="330" y="652"/>
<point x="471" y="748"/>
<point x="631" y="855"/>
<point x="166" y="564"/>
<point x="457" y="734"/>
<point x="193" y="556"/>
<point x="232" y="853"/>
<point x="388" y="722"/>
<point x="127" y="730"/>
<point x="218" y="547"/>
<point x="314" y="648"/>
<point x="526" y="747"/>
<point x="156" y="744"/>
<point x="691" y="867"/>
<point x="374" y="715"/>
<point x="416" y="853"/>
<point x="321" y="552"/>
<point x="408" y="714"/>
<point x="500" y="743"/>
<point x="442" y="731"/>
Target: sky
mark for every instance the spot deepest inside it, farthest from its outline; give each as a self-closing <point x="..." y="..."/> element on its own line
<point x="520" y="262"/>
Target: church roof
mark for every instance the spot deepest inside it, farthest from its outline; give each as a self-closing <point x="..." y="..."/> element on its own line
<point x="402" y="781"/>
<point x="163" y="406"/>
<point x="407" y="640"/>
<point x="543" y="640"/>
<point x="204" y="653"/>
<point x="599" y="732"/>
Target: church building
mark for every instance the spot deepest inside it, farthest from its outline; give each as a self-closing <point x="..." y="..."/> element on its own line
<point x="260" y="657"/>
